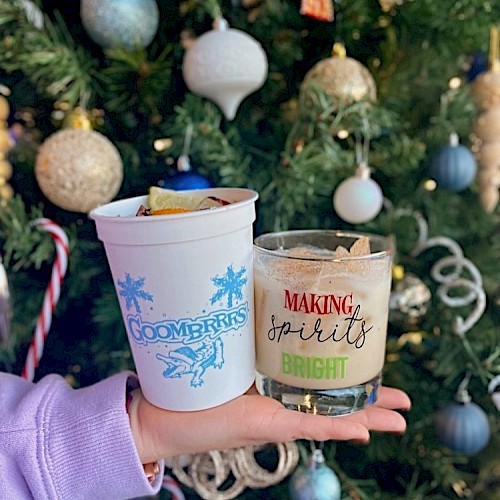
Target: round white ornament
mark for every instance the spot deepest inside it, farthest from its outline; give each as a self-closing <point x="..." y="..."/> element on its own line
<point x="225" y="65"/>
<point x="358" y="199"/>
<point x="78" y="170"/>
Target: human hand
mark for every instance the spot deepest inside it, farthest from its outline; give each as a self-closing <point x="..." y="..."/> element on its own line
<point x="253" y="419"/>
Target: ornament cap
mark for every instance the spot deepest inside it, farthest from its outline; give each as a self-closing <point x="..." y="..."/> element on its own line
<point x="463" y="397"/>
<point x="398" y="272"/>
<point x="183" y="163"/>
<point x="78" y="119"/>
<point x="363" y="171"/>
<point x="454" y="140"/>
<point x="317" y="457"/>
<point x="339" y="50"/>
<point x="220" y="24"/>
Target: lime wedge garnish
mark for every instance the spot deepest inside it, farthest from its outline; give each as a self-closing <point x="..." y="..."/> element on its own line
<point x="161" y="199"/>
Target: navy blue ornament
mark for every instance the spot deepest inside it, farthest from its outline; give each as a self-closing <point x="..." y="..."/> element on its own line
<point x="453" y="167"/>
<point x="316" y="481"/>
<point x="182" y="181"/>
<point x="117" y="23"/>
<point x="462" y="426"/>
<point x="478" y="65"/>
<point x="185" y="179"/>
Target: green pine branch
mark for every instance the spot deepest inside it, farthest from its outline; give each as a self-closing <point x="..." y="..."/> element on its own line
<point x="47" y="56"/>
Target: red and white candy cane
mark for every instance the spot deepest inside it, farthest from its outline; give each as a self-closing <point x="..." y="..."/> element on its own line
<point x="51" y="296"/>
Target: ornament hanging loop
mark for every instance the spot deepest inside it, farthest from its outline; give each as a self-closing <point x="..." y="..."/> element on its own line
<point x="362" y="147"/>
<point x="214" y="10"/>
<point x="184" y="163"/>
<point x="462" y="395"/>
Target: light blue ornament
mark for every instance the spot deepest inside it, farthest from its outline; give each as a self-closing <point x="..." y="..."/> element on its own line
<point x="120" y="23"/>
<point x="463" y="426"/>
<point x="453" y="167"/>
<point x="315" y="481"/>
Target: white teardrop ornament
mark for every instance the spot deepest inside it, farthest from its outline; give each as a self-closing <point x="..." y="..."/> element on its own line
<point x="225" y="65"/>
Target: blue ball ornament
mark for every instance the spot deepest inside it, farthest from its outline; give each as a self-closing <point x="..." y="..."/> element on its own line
<point x="453" y="167"/>
<point x="115" y="23"/>
<point x="185" y="179"/>
<point x="315" y="481"/>
<point x="182" y="181"/>
<point x="463" y="427"/>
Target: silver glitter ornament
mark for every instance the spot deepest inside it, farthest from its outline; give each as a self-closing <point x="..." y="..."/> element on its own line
<point x="78" y="170"/>
<point x="408" y="301"/>
<point x="115" y="23"/>
<point x="342" y="78"/>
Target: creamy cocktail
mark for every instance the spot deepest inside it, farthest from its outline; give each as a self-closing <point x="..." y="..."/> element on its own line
<point x="321" y="301"/>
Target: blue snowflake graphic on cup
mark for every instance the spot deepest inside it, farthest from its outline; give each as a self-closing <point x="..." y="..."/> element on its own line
<point x="132" y="290"/>
<point x="192" y="344"/>
<point x="230" y="284"/>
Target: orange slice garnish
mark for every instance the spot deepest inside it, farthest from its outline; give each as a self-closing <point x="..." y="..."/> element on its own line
<point x="168" y="211"/>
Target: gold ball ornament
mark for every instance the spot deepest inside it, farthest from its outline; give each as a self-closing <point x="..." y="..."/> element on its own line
<point x="78" y="170"/>
<point x="342" y="78"/>
<point x="486" y="89"/>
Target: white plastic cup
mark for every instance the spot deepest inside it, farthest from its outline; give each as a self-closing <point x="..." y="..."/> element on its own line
<point x="185" y="287"/>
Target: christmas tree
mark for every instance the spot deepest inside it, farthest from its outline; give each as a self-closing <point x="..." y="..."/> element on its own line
<point x="380" y="116"/>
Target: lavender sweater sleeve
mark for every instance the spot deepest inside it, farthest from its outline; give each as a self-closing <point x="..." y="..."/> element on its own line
<point x="60" y="443"/>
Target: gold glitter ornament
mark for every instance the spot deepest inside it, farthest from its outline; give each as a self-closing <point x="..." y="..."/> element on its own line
<point x="78" y="170"/>
<point x="342" y="78"/>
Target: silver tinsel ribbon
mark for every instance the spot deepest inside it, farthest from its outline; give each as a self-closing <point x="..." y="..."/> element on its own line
<point x="223" y="475"/>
